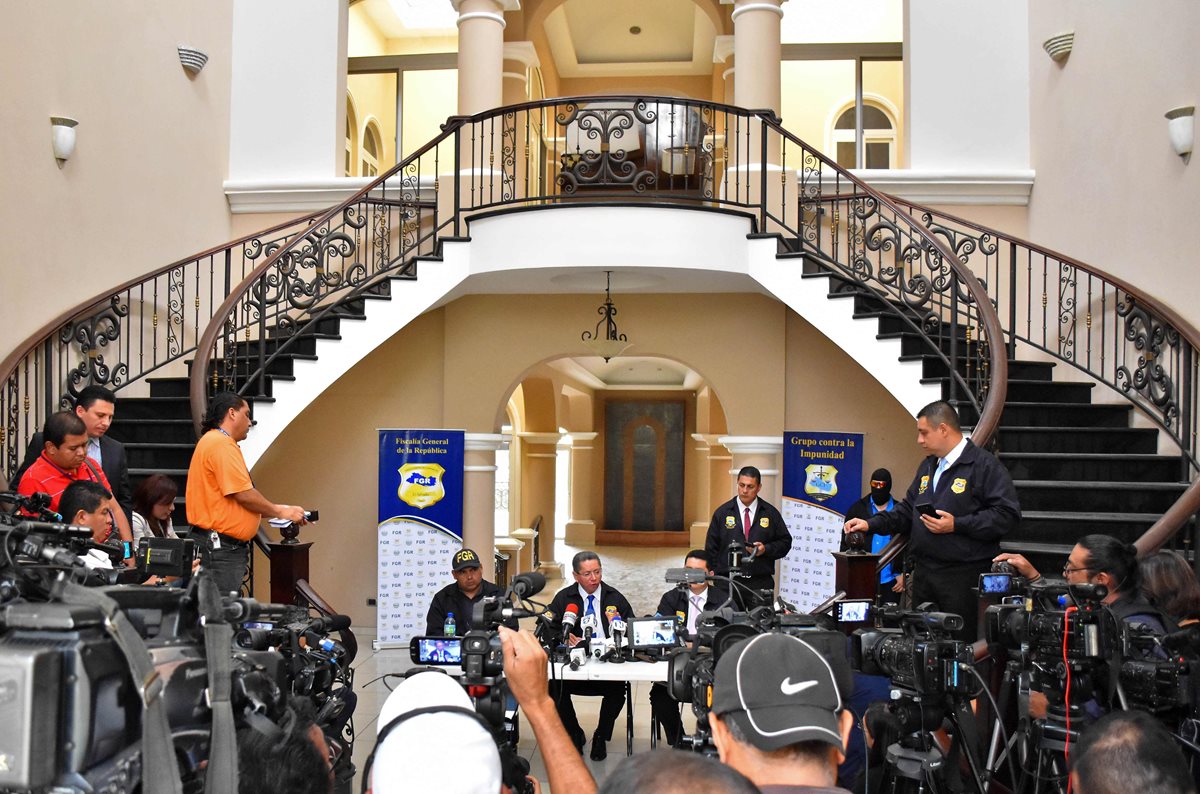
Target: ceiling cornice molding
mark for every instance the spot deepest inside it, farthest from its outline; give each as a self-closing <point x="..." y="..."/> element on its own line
<point x="523" y="52"/>
<point x="505" y="5"/>
<point x="722" y="48"/>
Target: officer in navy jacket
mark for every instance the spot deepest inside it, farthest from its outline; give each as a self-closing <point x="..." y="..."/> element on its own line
<point x="768" y="533"/>
<point x="607" y="604"/>
<point x="973" y="505"/>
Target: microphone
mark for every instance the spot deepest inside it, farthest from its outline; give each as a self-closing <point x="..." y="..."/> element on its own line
<point x="617" y="626"/>
<point x="589" y="627"/>
<point x="569" y="618"/>
<point x="529" y="584"/>
<point x="331" y="623"/>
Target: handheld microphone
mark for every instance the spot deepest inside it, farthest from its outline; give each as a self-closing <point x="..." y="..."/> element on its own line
<point x="589" y="627"/>
<point x="569" y="618"/>
<point x="618" y="631"/>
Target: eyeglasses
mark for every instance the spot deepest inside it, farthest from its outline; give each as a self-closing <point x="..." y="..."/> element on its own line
<point x="590" y="574"/>
<point x="1068" y="570"/>
<point x="878" y="484"/>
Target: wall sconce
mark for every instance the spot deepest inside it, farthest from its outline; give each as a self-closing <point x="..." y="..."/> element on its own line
<point x="62" y="136"/>
<point x="1059" y="47"/>
<point x="193" y="60"/>
<point x="1181" y="129"/>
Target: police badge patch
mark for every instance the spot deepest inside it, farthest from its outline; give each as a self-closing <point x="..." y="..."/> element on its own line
<point x="959" y="485"/>
<point x="730" y="522"/>
<point x="924" y="483"/>
<point x="421" y="484"/>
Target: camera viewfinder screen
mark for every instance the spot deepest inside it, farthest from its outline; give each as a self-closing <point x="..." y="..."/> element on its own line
<point x="653" y="633"/>
<point x="854" y="611"/>
<point x="435" y="650"/>
<point x="996" y="583"/>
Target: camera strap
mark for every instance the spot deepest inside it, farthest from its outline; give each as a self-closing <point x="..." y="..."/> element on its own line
<point x="222" y="773"/>
<point x="160" y="772"/>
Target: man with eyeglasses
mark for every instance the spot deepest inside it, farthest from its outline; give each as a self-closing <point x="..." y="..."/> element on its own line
<point x="603" y="603"/>
<point x="959" y="505"/>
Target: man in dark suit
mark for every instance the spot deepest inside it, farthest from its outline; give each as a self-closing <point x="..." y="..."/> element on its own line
<point x="684" y="604"/>
<point x="753" y="523"/>
<point x="602" y="603"/>
<point x="96" y="406"/>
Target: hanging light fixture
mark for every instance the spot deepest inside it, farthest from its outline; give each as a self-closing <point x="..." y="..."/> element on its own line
<point x="612" y="342"/>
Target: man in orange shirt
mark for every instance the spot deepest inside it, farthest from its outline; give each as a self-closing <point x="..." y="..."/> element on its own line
<point x="223" y="506"/>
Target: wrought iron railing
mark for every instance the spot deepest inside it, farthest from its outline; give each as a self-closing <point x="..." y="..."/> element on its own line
<point x="604" y="150"/>
<point x="1109" y="329"/>
<point x="119" y="338"/>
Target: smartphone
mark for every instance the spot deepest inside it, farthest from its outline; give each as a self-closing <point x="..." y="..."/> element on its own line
<point x="436" y="650"/>
<point x="995" y="583"/>
<point x="853" y="611"/>
<point x="128" y="547"/>
<point x="926" y="509"/>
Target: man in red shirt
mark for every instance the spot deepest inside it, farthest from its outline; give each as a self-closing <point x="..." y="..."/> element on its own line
<point x="63" y="461"/>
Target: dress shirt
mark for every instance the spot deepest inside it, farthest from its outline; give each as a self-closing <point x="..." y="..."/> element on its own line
<point x="596" y="610"/>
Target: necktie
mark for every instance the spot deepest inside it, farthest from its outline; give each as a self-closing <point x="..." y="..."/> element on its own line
<point x="693" y="613"/>
<point x="746" y="524"/>
<point x="591" y="607"/>
<point x="937" y="475"/>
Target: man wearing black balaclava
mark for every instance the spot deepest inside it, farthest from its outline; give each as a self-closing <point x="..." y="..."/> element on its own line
<point x="879" y="500"/>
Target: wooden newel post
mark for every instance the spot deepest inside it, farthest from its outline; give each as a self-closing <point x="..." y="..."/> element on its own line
<point x="856" y="573"/>
<point x="289" y="562"/>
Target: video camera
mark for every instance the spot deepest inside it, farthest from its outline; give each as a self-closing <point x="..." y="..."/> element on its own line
<point x="915" y="650"/>
<point x="481" y="657"/>
<point x="78" y="711"/>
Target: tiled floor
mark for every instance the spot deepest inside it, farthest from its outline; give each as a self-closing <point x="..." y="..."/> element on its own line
<point x="636" y="572"/>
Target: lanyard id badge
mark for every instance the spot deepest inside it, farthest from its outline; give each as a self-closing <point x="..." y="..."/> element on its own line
<point x="216" y="539"/>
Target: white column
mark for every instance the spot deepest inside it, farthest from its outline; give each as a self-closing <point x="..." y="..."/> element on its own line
<point x="289" y="62"/>
<point x="519" y="58"/>
<point x="722" y="53"/>
<point x="479" y="497"/>
<point x="757" y="52"/>
<point x="762" y="452"/>
<point x="581" y="526"/>
<point x="481" y="53"/>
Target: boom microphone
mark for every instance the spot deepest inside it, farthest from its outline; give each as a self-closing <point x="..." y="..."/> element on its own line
<point x="529" y="584"/>
<point x="331" y="623"/>
<point x="685" y="576"/>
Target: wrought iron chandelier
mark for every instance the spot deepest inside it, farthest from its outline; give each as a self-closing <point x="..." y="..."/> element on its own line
<point x="612" y="342"/>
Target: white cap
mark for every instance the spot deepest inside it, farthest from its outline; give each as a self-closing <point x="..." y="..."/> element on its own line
<point x="447" y="753"/>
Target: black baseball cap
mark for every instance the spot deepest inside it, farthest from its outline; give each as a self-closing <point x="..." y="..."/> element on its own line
<point x="465" y="558"/>
<point x="781" y="690"/>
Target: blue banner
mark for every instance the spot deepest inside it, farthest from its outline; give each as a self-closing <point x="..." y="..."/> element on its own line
<point x="822" y="478"/>
<point x="420" y="525"/>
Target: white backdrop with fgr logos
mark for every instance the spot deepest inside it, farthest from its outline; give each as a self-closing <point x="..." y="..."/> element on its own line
<point x="420" y="526"/>
<point x="822" y="478"/>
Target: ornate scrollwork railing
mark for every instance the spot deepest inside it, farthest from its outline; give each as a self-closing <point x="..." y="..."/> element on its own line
<point x="119" y="338"/>
<point x="612" y="149"/>
<point x="1109" y="329"/>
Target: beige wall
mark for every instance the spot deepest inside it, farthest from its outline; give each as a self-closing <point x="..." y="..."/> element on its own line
<point x="149" y="137"/>
<point x="457" y="366"/>
<point x="1110" y="191"/>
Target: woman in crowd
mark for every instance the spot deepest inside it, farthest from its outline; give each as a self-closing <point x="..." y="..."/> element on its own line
<point x="1169" y="583"/>
<point x="153" y="504"/>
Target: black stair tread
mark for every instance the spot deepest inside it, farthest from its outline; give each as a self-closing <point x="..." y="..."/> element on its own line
<point x="1069" y="429"/>
<point x="1075" y="515"/>
<point x="1099" y="485"/>
<point x="1131" y="456"/>
<point x="148" y="445"/>
<point x="1037" y="548"/>
<point x="168" y="472"/>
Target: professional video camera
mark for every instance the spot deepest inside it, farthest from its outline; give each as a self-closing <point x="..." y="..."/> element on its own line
<point x="481" y="658"/>
<point x="690" y="670"/>
<point x="108" y="685"/>
<point x="915" y="650"/>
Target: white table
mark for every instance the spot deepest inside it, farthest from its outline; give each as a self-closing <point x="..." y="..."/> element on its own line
<point x="627" y="672"/>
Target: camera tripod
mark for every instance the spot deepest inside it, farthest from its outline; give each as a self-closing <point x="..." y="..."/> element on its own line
<point x="915" y="764"/>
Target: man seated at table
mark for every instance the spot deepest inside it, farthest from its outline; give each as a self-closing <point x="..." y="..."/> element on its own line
<point x="460" y="597"/>
<point x="603" y="603"/>
<point x="685" y="605"/>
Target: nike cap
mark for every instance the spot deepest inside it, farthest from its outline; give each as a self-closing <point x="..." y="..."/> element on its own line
<point x="781" y="689"/>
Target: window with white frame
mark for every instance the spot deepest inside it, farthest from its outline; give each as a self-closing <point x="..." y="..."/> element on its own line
<point x="879" y="137"/>
<point x="370" y="150"/>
